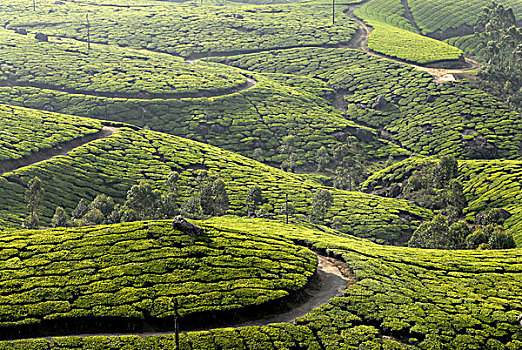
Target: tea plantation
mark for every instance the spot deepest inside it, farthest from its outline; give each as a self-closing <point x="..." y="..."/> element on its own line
<point x="113" y="164"/>
<point x="404" y="299"/>
<point x="417" y="113"/>
<point x="251" y="119"/>
<point x="136" y="270"/>
<point x="69" y="66"/>
<point x="25" y="131"/>
<point x="184" y="29"/>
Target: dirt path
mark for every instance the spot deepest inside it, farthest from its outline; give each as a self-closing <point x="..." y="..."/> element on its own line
<point x="333" y="277"/>
<point x="62" y="149"/>
<point x="440" y="74"/>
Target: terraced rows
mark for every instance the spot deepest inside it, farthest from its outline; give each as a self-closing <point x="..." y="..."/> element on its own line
<point x="184" y="29"/>
<point x="414" y="111"/>
<point x="24" y="131"/>
<point x="67" y="65"/>
<point x="404" y="298"/>
<point x="395" y="36"/>
<point x="113" y="164"/>
<point x="444" y="18"/>
<point x="257" y="118"/>
<point x="136" y="270"/>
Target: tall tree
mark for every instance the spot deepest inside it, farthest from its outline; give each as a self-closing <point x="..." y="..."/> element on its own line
<point x="321" y="202"/>
<point x="502" y="51"/>
<point x="33" y="196"/>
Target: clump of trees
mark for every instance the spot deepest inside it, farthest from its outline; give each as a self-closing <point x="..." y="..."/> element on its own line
<point x="440" y="233"/>
<point x="208" y="198"/>
<point x="143" y="202"/>
<point x="345" y="162"/>
<point x="435" y="186"/>
<point x="501" y="43"/>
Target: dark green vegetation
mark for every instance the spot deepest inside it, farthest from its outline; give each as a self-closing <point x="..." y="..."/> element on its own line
<point x="112" y="165"/>
<point x="487" y="184"/>
<point x="24" y="131"/>
<point x="136" y="270"/>
<point x="502" y="48"/>
<point x="407" y="106"/>
<point x="405" y="299"/>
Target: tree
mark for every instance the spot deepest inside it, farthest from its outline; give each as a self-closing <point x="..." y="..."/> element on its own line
<point x="321" y="202"/>
<point x="209" y="197"/>
<point x="33" y="196"/>
<point x="143" y="202"/>
<point x="103" y="203"/>
<point x="59" y="218"/>
<point x="253" y="200"/>
<point x="501" y="240"/>
<point x="432" y="234"/>
<point x="457" y="234"/>
<point x="322" y="158"/>
<point x="221" y="201"/>
<point x="502" y="50"/>
<point x="172" y="182"/>
<point x="445" y="170"/>
<point x="81" y="209"/>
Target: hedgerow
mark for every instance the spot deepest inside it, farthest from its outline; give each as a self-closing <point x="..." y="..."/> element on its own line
<point x="113" y="164"/>
<point x="136" y="270"/>
<point x="67" y="65"/>
<point x="406" y="105"/>
<point x="25" y="131"/>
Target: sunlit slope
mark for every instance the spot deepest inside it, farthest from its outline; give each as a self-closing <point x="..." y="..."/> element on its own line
<point x="404" y="299"/>
<point x="111" y="165"/>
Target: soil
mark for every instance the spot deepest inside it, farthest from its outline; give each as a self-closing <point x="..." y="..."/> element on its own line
<point x="62" y="149"/>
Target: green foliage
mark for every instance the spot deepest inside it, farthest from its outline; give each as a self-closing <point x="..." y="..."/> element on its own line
<point x="33" y="197"/>
<point x="120" y="270"/>
<point x="421" y="115"/>
<point x="321" y="203"/>
<point x="410" y="47"/>
<point x="502" y="43"/>
<point x="25" y="131"/>
<point x="186" y="29"/>
<point x="66" y="65"/>
<point x="112" y="165"/>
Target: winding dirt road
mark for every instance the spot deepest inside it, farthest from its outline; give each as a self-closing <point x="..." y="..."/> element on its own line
<point x="62" y="149"/>
<point x="440" y="74"/>
<point x="330" y="282"/>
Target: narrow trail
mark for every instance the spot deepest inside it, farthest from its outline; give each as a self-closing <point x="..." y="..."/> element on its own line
<point x="332" y="278"/>
<point x="61" y="149"/>
<point x="440" y="74"/>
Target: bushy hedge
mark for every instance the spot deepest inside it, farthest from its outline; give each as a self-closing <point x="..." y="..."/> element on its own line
<point x="137" y="269"/>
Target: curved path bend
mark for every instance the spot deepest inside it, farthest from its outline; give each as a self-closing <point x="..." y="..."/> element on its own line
<point x="332" y="278"/>
<point x="440" y="74"/>
<point x="61" y="149"/>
